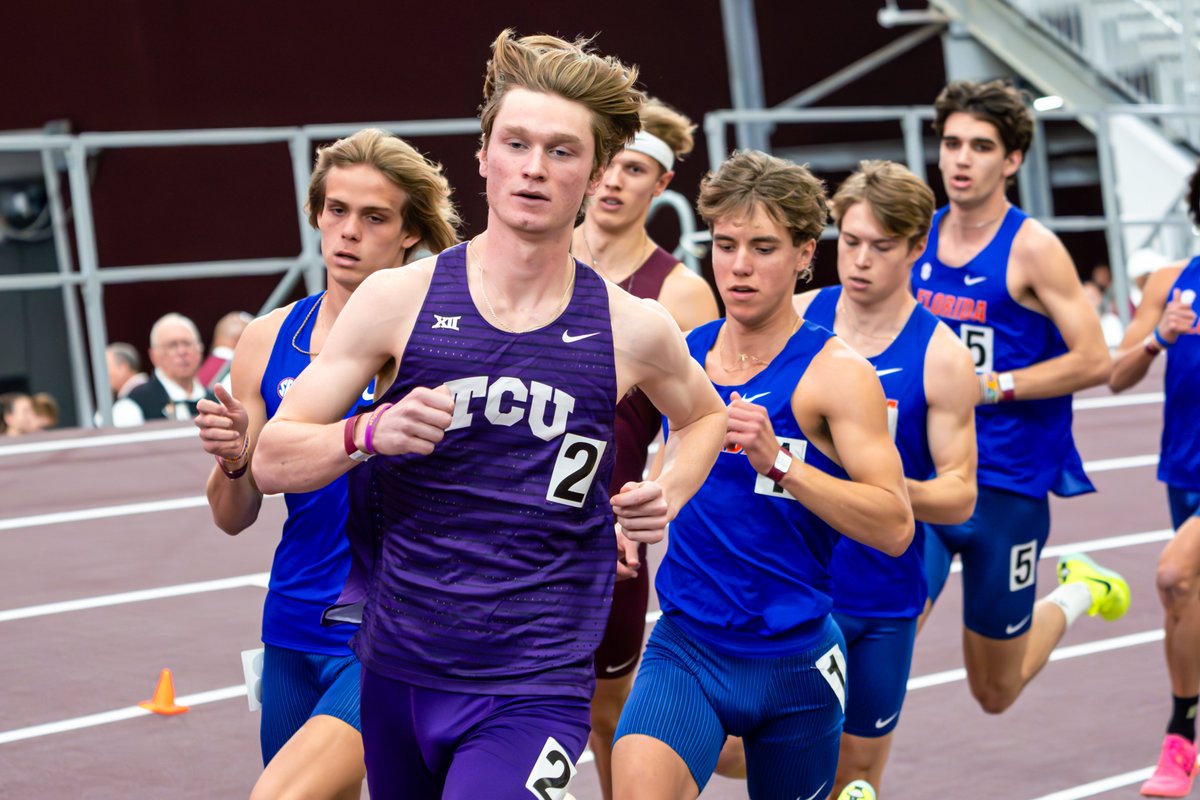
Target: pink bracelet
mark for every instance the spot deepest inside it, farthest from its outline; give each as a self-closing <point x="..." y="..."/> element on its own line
<point x="369" y="438"/>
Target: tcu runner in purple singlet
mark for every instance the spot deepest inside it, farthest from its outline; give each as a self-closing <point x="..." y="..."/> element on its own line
<point x="1166" y="321"/>
<point x="613" y="240"/>
<point x="488" y="523"/>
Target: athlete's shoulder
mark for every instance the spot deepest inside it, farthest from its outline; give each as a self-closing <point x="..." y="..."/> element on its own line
<point x="801" y="301"/>
<point x="259" y="336"/>
<point x="1035" y="241"/>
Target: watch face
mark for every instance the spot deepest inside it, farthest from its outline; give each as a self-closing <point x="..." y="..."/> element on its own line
<point x="360" y="456"/>
<point x="783" y="460"/>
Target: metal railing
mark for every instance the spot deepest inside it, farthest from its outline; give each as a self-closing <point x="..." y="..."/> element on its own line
<point x="89" y="279"/>
<point x="912" y="122"/>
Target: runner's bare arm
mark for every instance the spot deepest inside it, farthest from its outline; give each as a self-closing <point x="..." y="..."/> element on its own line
<point x="1133" y="360"/>
<point x="301" y="448"/>
<point x="951" y="390"/>
<point x="873" y="507"/>
<point x="651" y="354"/>
<point x="225" y="424"/>
<point x="1051" y="276"/>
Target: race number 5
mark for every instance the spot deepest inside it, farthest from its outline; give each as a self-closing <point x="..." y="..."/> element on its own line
<point x="1022" y="566"/>
<point x="574" y="469"/>
<point x="764" y="485"/>
<point x="981" y="341"/>
<point x="552" y="774"/>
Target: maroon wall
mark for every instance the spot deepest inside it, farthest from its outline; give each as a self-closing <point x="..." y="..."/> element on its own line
<point x="126" y="65"/>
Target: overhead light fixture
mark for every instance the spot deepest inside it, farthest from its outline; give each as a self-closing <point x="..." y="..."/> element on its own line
<point x="1050" y="102"/>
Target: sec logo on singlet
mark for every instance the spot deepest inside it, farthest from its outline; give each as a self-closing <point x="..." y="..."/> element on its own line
<point x="926" y="271"/>
<point x="283" y="386"/>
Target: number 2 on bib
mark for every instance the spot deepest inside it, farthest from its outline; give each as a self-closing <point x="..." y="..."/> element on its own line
<point x="574" y="470"/>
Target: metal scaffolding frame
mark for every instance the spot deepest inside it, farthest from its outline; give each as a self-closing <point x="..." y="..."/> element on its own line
<point x="92" y="398"/>
<point x="1035" y="198"/>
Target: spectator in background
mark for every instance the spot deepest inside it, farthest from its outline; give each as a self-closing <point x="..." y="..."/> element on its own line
<point x="45" y="409"/>
<point x="16" y="414"/>
<point x="225" y="338"/>
<point x="124" y="368"/>
<point x="173" y="391"/>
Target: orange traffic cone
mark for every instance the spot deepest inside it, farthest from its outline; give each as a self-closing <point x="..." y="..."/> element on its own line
<point x="164" y="697"/>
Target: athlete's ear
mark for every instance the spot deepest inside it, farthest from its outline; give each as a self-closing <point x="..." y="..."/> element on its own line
<point x="915" y="249"/>
<point x="1012" y="162"/>
<point x="804" y="256"/>
<point x="663" y="182"/>
<point x="594" y="181"/>
<point x="481" y="154"/>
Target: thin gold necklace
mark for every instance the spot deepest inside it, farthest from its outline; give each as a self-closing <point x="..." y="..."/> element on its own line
<point x="849" y="319"/>
<point x="981" y="225"/>
<point x="746" y="361"/>
<point x="308" y="316"/>
<point x="626" y="283"/>
<point x="496" y="317"/>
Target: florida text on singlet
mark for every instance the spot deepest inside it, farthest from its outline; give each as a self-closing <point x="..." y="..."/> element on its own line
<point x="897" y="586"/>
<point x="494" y="556"/>
<point x="747" y="567"/>
<point x="1024" y="446"/>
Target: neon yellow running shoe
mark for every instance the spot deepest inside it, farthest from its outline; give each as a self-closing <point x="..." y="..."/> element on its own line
<point x="857" y="790"/>
<point x="1110" y="592"/>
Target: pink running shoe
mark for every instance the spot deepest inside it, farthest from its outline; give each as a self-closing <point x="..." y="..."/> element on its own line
<point x="1176" y="768"/>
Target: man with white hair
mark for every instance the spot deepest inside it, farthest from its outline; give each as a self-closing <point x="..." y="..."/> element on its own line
<point x="172" y="391"/>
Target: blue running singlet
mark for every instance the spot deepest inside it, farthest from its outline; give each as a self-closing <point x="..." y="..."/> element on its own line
<point x="313" y="558"/>
<point x="1026" y="446"/>
<point x="1179" y="465"/>
<point x="867" y="582"/>
<point x="747" y="568"/>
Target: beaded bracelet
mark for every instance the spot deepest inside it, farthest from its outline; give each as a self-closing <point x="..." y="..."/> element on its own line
<point x="234" y="474"/>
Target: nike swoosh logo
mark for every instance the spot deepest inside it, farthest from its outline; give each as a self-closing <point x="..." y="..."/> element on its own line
<point x="754" y="397"/>
<point x="1010" y="629"/>
<point x="969" y="281"/>
<point x="883" y="723"/>
<point x="882" y="372"/>
<point x="814" y="795"/>
<point x="1107" y="586"/>
<point x="568" y="338"/>
<point x="620" y="667"/>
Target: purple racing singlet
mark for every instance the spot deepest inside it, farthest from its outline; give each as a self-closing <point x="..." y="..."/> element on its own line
<point x="494" y="558"/>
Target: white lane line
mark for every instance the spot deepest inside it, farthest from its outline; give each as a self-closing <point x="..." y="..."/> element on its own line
<point x="232" y="692"/>
<point x="258" y="579"/>
<point x="1117" y="401"/>
<point x="55" y="445"/>
<point x="106" y="512"/>
<point x="1128" y="462"/>
<point x="1101" y="786"/>
<point x="103" y="512"/>
<point x="117" y="715"/>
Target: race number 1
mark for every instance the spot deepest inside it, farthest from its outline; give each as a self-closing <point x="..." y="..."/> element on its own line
<point x="981" y="341"/>
<point x="832" y="667"/>
<point x="764" y="485"/>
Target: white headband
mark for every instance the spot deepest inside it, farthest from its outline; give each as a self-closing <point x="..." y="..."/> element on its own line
<point x="656" y="148"/>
